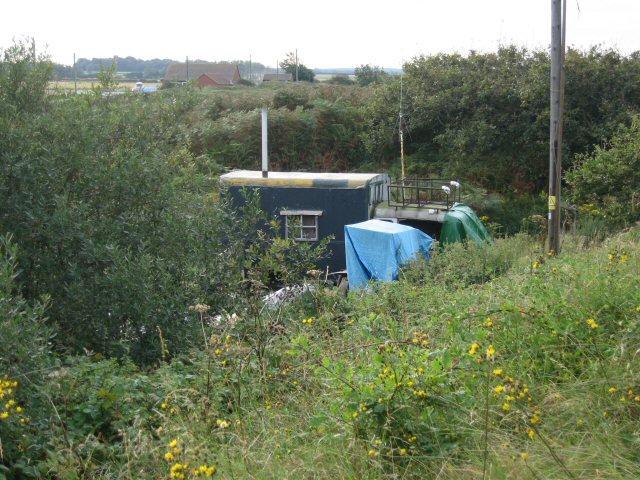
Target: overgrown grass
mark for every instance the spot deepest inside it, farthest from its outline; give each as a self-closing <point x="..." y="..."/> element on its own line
<point x="497" y="363"/>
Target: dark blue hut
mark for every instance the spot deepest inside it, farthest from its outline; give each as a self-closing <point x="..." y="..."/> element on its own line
<point x="313" y="206"/>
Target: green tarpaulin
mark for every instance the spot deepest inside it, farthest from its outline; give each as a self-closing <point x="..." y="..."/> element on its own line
<point x="462" y="224"/>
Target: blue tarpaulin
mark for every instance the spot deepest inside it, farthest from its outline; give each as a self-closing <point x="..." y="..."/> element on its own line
<point x="376" y="250"/>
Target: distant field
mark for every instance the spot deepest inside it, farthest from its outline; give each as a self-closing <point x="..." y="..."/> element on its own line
<point x="89" y="84"/>
<point x="84" y="85"/>
<point x="323" y="77"/>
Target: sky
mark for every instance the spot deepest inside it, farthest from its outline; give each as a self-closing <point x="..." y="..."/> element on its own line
<point x="326" y="33"/>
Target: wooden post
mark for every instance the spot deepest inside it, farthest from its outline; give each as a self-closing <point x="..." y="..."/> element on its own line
<point x="555" y="124"/>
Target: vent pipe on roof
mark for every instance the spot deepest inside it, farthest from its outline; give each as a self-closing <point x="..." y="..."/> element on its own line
<point x="265" y="151"/>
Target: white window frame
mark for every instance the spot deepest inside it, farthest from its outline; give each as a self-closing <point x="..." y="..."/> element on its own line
<point x="299" y="227"/>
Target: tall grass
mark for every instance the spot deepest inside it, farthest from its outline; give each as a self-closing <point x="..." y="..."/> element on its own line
<point x="497" y="363"/>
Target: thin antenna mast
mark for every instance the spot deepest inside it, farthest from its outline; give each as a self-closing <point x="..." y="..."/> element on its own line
<point x="401" y="130"/>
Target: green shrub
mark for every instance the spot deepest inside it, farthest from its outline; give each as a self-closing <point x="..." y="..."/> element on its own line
<point x="24" y="358"/>
<point x="604" y="185"/>
<point x="463" y="264"/>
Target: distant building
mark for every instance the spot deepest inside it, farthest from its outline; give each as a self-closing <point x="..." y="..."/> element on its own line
<point x="213" y="80"/>
<point x="277" y="77"/>
<point x="205" y="74"/>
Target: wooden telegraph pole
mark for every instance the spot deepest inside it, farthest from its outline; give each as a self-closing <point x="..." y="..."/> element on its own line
<point x="558" y="22"/>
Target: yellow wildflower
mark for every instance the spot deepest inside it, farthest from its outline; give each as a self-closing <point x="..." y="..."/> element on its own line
<point x="491" y="351"/>
<point x="592" y="323"/>
<point x="497" y="371"/>
<point x="211" y="471"/>
<point x="499" y="389"/>
<point x="474" y="348"/>
<point x="222" y="424"/>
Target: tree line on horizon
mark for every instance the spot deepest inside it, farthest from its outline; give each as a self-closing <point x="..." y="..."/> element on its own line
<point x="131" y="68"/>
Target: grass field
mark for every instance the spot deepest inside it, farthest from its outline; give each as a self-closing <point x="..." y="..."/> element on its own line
<point x="496" y="363"/>
<point x="86" y="85"/>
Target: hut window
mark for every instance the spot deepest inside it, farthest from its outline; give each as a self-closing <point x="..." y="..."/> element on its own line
<point x="301" y="225"/>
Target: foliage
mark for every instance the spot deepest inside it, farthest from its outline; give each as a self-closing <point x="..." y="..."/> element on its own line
<point x="484" y="116"/>
<point x="137" y="69"/>
<point x="529" y="369"/>
<point x="304" y="132"/>
<point x="291" y="99"/>
<point x="114" y="218"/>
<point x="367" y="75"/>
<point x="24" y="355"/>
<point x="604" y="184"/>
<point x="340" y="80"/>
<point x="487" y="362"/>
<point x="107" y="81"/>
<point x="23" y="80"/>
<point x="25" y="336"/>
<point x="299" y="71"/>
<point x="457" y="265"/>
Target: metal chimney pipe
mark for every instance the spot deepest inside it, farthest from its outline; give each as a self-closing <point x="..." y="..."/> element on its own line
<point x="265" y="150"/>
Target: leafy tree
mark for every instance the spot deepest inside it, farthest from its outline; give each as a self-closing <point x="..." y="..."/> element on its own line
<point x="341" y="80"/>
<point x="289" y="65"/>
<point x="23" y="79"/>
<point x="484" y="117"/>
<point x="604" y="184"/>
<point x="367" y="75"/>
<point x="107" y="78"/>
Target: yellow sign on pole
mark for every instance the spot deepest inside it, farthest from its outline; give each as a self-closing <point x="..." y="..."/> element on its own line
<point x="552" y="202"/>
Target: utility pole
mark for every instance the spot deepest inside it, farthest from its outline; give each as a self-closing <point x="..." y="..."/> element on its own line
<point x="558" y="23"/>
<point x="296" y="64"/>
<point x="187" y="69"/>
<point x="250" y="73"/>
<point x="401" y="124"/>
<point x="75" y="75"/>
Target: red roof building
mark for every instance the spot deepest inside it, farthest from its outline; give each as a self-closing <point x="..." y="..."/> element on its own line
<point x="204" y="74"/>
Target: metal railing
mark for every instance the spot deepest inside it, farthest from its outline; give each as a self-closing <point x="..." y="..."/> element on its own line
<point x="425" y="192"/>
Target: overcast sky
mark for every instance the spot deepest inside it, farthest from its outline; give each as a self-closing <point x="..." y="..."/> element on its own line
<point x="326" y="33"/>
